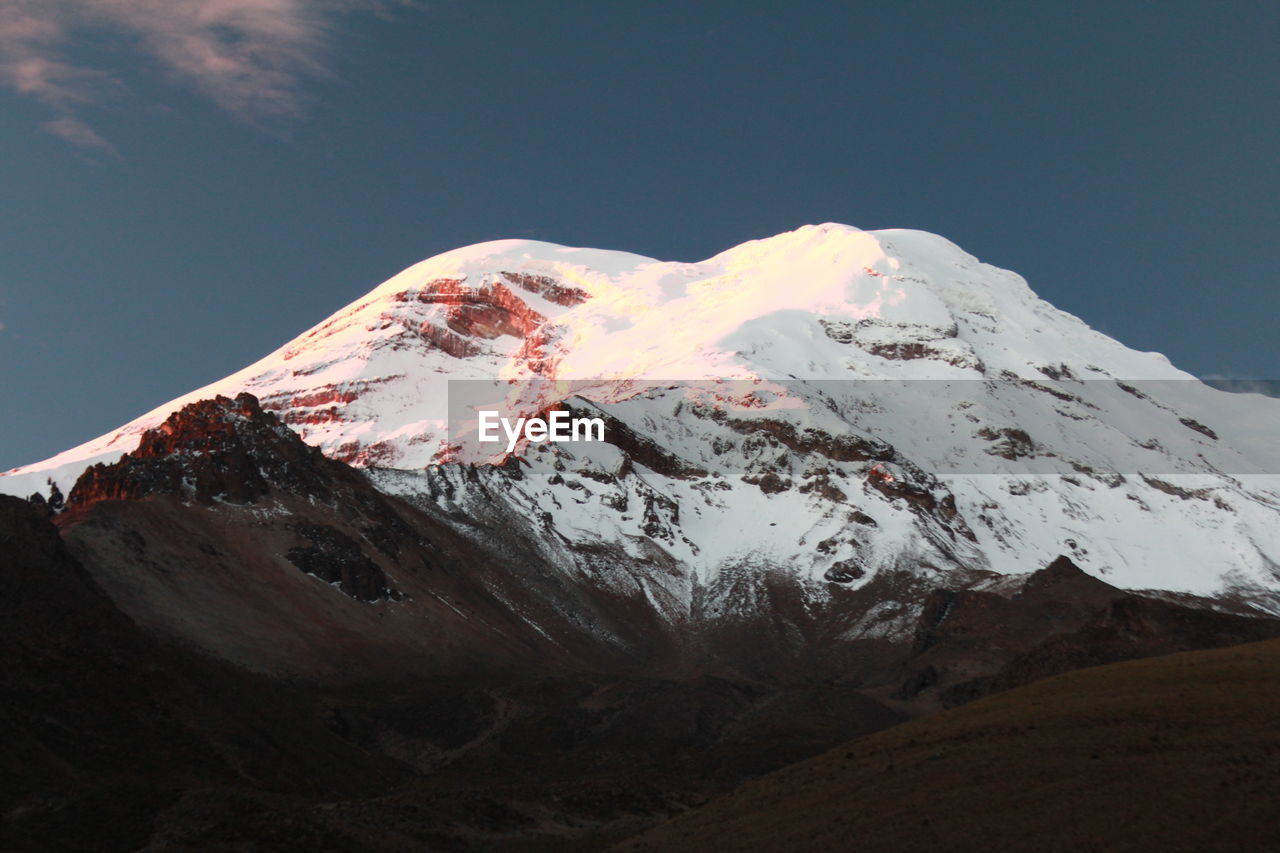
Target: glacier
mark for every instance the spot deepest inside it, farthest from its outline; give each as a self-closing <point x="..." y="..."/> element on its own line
<point x="831" y="403"/>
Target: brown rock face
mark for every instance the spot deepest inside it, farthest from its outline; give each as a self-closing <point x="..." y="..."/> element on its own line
<point x="548" y="288"/>
<point x="215" y="449"/>
<point x="323" y="404"/>
<point x="484" y="312"/>
<point x="475" y="314"/>
<point x="231" y="451"/>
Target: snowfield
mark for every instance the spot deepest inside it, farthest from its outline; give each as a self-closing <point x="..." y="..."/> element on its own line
<point x="829" y="402"/>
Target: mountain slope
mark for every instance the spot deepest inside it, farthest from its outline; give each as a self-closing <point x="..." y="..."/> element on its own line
<point x="117" y="739"/>
<point x="830" y="403"/>
<point x="225" y="531"/>
<point x="466" y="696"/>
<point x="1172" y="753"/>
<point x="105" y="726"/>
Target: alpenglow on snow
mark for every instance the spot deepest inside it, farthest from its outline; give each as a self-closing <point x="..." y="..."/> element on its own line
<point x="829" y="403"/>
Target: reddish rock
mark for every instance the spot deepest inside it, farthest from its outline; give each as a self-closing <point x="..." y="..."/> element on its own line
<point x="548" y="288"/>
<point x="484" y="312"/>
<point x="215" y="449"/>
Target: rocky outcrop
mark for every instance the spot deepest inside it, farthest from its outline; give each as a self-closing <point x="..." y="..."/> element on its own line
<point x="636" y="447"/>
<point x="484" y="312"/>
<point x="323" y="404"/>
<point x="219" y="449"/>
<point x="548" y="288"/>
<point x="1008" y="442"/>
<point x="926" y="497"/>
<point x="838" y="448"/>
<point x="231" y="451"/>
<point x="336" y="558"/>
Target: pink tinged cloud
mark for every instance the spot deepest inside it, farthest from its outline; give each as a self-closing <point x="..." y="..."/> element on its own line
<point x="250" y="57"/>
<point x="76" y="132"/>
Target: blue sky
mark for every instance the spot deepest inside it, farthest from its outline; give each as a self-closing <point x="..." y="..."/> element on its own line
<point x="186" y="184"/>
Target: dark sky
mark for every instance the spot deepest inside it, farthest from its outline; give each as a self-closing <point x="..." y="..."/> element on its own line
<point x="169" y="217"/>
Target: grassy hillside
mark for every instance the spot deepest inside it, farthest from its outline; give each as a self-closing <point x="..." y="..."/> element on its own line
<point x="1172" y="753"/>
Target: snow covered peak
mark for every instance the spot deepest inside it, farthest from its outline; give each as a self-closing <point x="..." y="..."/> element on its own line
<point x="886" y="376"/>
<point x="828" y="301"/>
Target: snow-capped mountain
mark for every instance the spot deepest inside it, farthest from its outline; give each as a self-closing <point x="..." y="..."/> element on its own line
<point x="833" y="404"/>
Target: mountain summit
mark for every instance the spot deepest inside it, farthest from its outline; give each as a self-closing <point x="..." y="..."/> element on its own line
<point x="829" y="404"/>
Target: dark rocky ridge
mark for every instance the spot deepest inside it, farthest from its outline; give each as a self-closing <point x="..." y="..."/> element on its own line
<point x="233" y="451"/>
<point x="969" y="643"/>
<point x="219" y="449"/>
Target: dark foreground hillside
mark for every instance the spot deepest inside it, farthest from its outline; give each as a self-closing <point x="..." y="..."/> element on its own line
<point x="116" y="740"/>
<point x="1163" y="754"/>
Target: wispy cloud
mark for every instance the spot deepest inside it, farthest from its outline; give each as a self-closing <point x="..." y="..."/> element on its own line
<point x="76" y="132"/>
<point x="250" y="57"/>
